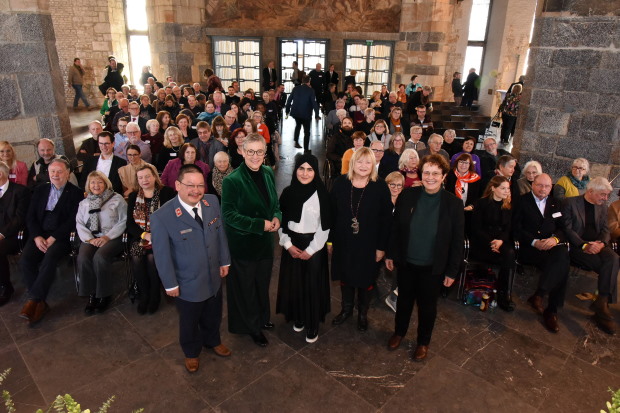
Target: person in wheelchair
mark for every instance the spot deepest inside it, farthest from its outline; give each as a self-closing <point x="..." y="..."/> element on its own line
<point x="490" y="236"/>
<point x="100" y="223"/>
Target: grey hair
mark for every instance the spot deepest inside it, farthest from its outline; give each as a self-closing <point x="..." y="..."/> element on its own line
<point x="535" y="164"/>
<point x="252" y="138"/>
<point x="599" y="183"/>
<point x="584" y="162"/>
<point x="404" y="157"/>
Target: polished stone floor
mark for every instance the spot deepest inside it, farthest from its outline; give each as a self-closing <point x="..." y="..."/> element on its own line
<point x="491" y="361"/>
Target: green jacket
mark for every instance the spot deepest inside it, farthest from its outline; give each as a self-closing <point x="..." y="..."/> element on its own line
<point x="245" y="212"/>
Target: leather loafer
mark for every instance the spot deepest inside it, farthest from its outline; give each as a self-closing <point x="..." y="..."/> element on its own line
<point x="39" y="312"/>
<point x="222" y="351"/>
<point x="551" y="321"/>
<point x="6" y="291"/>
<point x="536" y="302"/>
<point x="260" y="339"/>
<point x="420" y="353"/>
<point x="268" y="325"/>
<point x="394" y="342"/>
<point x="91" y="305"/>
<point x="192" y="364"/>
<point x="27" y="311"/>
<point x="607" y="326"/>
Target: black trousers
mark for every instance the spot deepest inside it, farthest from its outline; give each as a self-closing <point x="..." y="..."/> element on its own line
<point x="416" y="283"/>
<point x="508" y="125"/>
<point x="505" y="259"/>
<point x="554" y="264"/>
<point x="299" y="122"/>
<point x="39" y="268"/>
<point x="7" y="246"/>
<point x="605" y="264"/>
<point x="147" y="278"/>
<point x="94" y="266"/>
<point x="199" y="324"/>
<point x="247" y="292"/>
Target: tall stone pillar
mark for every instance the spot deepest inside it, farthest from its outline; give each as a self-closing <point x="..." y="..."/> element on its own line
<point x="30" y="80"/>
<point x="571" y="102"/>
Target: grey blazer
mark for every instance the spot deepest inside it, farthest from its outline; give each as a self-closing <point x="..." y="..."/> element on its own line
<point x="574" y="214"/>
<point x="187" y="255"/>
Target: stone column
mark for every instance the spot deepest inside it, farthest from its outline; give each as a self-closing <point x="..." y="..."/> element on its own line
<point x="30" y="80"/>
<point x="571" y="102"/>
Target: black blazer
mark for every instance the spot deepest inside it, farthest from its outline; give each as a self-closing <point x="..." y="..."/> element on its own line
<point x="91" y="165"/>
<point x="267" y="79"/>
<point x="490" y="222"/>
<point x="474" y="189"/>
<point x="64" y="212"/>
<point x="529" y="224"/>
<point x="450" y="231"/>
<point x="331" y="78"/>
<point x="13" y="208"/>
<point x="574" y="219"/>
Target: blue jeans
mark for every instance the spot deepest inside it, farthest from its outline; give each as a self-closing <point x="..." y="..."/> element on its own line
<point x="79" y="94"/>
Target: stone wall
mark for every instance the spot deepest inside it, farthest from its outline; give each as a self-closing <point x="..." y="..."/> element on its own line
<point x="31" y="82"/>
<point x="571" y="105"/>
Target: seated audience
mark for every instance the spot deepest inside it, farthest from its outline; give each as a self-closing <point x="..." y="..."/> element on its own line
<point x="450" y="144"/>
<point x="338" y="144"/>
<point x="134" y="138"/>
<point x="235" y="147"/>
<point x="89" y="147"/>
<point x="18" y="172"/>
<point x="379" y="132"/>
<point x="154" y="138"/>
<point x="575" y="182"/>
<point x="464" y="182"/>
<point x="358" y="139"/>
<point x="220" y="171"/>
<point x="206" y="144"/>
<point x="415" y="140"/>
<point x="127" y="173"/>
<point x="173" y="140"/>
<point x="389" y="162"/>
<point x="38" y="173"/>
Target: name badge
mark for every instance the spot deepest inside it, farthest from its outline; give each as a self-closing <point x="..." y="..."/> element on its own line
<point x="556" y="215"/>
<point x="185" y="231"/>
<point x="147" y="142"/>
<point x="12" y="176"/>
<point x="173" y="154"/>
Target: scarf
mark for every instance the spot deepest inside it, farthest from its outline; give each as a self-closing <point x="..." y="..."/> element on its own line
<point x="95" y="203"/>
<point x="396" y="123"/>
<point x="218" y="176"/>
<point x="579" y="184"/>
<point x="141" y="216"/>
<point x="469" y="177"/>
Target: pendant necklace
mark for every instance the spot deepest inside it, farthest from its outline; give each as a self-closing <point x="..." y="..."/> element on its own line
<point x="355" y="225"/>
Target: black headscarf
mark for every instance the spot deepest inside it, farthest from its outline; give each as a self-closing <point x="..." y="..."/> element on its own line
<point x="294" y="196"/>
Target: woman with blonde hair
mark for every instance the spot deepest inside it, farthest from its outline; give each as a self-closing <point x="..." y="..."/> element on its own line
<point x="18" y="172"/>
<point x="173" y="140"/>
<point x="100" y="222"/>
<point x="361" y="210"/>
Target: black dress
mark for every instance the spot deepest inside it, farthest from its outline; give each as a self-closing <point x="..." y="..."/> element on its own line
<point x="353" y="256"/>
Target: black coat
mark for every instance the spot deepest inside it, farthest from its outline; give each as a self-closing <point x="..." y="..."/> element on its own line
<point x="13" y="208"/>
<point x="450" y="231"/>
<point x="331" y="78"/>
<point x="471" y="85"/>
<point x="474" y="189"/>
<point x="63" y="215"/>
<point x="490" y="222"/>
<point x="91" y="165"/>
<point x="266" y="79"/>
<point x="301" y="102"/>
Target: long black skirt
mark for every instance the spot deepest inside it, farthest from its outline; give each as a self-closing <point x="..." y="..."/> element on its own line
<point x="303" y="287"/>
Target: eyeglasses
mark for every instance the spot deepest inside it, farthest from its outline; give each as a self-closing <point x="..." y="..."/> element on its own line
<point x="192" y="187"/>
<point x="377" y="150"/>
<point x="395" y="186"/>
<point x="578" y="168"/>
<point x="251" y="152"/>
<point x="464" y="162"/>
<point x="433" y="174"/>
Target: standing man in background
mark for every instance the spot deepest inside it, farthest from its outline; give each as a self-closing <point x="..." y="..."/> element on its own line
<point x="300" y="104"/>
<point x="76" y="80"/>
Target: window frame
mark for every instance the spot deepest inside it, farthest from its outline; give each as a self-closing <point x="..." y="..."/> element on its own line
<point x="128" y="34"/>
<point x="295" y="39"/>
<point x="479" y="43"/>
<point x="365" y="82"/>
<point x="237" y="39"/>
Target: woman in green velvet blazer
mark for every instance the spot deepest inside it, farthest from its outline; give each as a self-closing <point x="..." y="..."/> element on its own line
<point x="251" y="217"/>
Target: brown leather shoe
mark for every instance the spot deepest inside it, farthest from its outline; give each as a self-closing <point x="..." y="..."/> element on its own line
<point x="536" y="302"/>
<point x="222" y="351"/>
<point x="551" y="321"/>
<point x="28" y="310"/>
<point x="191" y="364"/>
<point x="394" y="342"/>
<point x="420" y="353"/>
<point x="608" y="326"/>
<point x="39" y="312"/>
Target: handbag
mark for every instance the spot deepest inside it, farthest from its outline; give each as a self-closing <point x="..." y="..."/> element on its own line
<point x="477" y="283"/>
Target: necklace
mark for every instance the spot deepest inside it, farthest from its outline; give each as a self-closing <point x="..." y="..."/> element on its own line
<point x="355" y="225"/>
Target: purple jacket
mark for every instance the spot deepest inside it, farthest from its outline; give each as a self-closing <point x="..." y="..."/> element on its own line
<point x="171" y="172"/>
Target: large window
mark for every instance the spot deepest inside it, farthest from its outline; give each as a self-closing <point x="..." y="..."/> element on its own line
<point x="477" y="38"/>
<point x="237" y="59"/>
<point x="372" y="61"/>
<point x="307" y="53"/>
<point x="137" y="40"/>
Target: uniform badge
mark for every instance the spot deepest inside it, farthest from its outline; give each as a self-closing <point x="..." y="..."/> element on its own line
<point x="204" y="201"/>
<point x="178" y="212"/>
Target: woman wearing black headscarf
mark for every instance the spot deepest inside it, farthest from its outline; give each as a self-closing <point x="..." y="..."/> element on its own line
<point x="303" y="288"/>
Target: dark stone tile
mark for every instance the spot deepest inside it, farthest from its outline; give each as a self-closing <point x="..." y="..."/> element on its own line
<point x="89" y="349"/>
<point x="599" y="349"/>
<point x="9" y="28"/>
<point x="430" y="47"/>
<point x="148" y="383"/>
<point x="362" y="362"/>
<point x="159" y="329"/>
<point x="19" y="382"/>
<point x="580" y="387"/>
<point x="220" y="377"/>
<point x="296" y="385"/>
<point x="36" y="85"/>
<point x="444" y="387"/>
<point x="36" y="27"/>
<point x="24" y="58"/>
<point x="518" y="365"/>
<point x="576" y="58"/>
<point x="604" y="81"/>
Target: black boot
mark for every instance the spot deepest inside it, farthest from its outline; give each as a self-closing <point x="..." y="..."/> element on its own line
<point x="504" y="299"/>
<point x="347" y="305"/>
<point x="363" y="302"/>
<point x="92" y="305"/>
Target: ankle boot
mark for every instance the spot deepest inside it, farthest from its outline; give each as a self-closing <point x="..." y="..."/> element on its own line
<point x="347" y="305"/>
<point x="601" y="308"/>
<point x="504" y="299"/>
<point x="363" y="302"/>
<point x="92" y="305"/>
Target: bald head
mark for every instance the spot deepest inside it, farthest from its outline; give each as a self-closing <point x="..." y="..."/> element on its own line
<point x="541" y="186"/>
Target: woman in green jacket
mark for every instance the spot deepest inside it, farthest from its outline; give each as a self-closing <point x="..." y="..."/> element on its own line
<point x="251" y="217"/>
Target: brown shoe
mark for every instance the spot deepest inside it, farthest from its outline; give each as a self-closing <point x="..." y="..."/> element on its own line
<point x="191" y="364"/>
<point x="420" y="353"/>
<point x="536" y="302"/>
<point x="551" y="321"/>
<point x="394" y="342"/>
<point x="39" y="312"/>
<point x="28" y="310"/>
<point x="607" y="326"/>
<point x="222" y="351"/>
<point x="601" y="309"/>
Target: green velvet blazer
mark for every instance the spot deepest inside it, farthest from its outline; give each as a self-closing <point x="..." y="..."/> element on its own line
<point x="245" y="211"/>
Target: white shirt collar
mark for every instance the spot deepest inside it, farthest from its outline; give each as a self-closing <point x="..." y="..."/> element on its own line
<point x="4" y="188"/>
<point x="189" y="208"/>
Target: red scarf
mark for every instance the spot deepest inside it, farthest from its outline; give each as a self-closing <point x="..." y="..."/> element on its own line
<point x="469" y="177"/>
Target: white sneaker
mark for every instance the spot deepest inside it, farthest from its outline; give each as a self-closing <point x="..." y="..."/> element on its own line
<point x="298" y="327"/>
<point x="390" y="300"/>
<point x="312" y="338"/>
